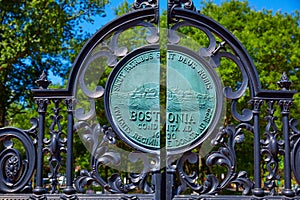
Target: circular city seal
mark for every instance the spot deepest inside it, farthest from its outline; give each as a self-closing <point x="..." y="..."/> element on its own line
<point x="193" y="100"/>
<point x="132" y="99"/>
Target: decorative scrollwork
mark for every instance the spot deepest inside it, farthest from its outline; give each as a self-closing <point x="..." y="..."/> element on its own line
<point x="209" y="51"/>
<point x="151" y="38"/>
<point x="80" y="115"/>
<point x="16" y="169"/>
<point x="213" y="55"/>
<point x="295" y="153"/>
<point x="186" y="4"/>
<point x="271" y="147"/>
<point x="210" y="185"/>
<point x="246" y="115"/>
<point x="112" y="53"/>
<point x="99" y="153"/>
<point x="139" y="179"/>
<point x="242" y="89"/>
<point x="99" y="91"/>
<point x="55" y="145"/>
<point x="97" y="139"/>
<point x="226" y="156"/>
<point x="139" y="4"/>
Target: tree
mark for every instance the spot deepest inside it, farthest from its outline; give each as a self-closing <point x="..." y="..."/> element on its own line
<point x="271" y="39"/>
<point x="37" y="36"/>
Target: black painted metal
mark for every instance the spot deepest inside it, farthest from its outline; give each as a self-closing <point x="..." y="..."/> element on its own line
<point x="159" y="178"/>
<point x="69" y="190"/>
<point x="42" y="106"/>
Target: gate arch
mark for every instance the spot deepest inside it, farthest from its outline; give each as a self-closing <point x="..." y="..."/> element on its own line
<point x="162" y="174"/>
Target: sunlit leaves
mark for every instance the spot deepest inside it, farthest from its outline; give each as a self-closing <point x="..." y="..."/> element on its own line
<point x="39" y="35"/>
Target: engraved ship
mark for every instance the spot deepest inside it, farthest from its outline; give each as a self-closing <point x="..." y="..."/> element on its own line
<point x="144" y="98"/>
<point x="188" y="100"/>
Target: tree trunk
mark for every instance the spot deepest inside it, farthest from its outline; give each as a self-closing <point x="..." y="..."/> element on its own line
<point x="3" y="103"/>
<point x="2" y="118"/>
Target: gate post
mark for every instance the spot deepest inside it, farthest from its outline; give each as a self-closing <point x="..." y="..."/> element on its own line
<point x="69" y="190"/>
<point x="285" y="111"/>
<point x="42" y="107"/>
<point x="162" y="142"/>
<point x="258" y="191"/>
<point x="285" y="105"/>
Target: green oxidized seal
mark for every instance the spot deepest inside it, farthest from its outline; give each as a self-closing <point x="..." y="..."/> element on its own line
<point x="191" y="100"/>
<point x="134" y="101"/>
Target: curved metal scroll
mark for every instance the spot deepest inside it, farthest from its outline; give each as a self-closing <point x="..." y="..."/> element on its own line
<point x="215" y="52"/>
<point x="191" y="18"/>
<point x="225" y="157"/>
<point x="112" y="53"/>
<point x="16" y="167"/>
<point x="227" y="138"/>
<point x="295" y="153"/>
<point x="98" y="139"/>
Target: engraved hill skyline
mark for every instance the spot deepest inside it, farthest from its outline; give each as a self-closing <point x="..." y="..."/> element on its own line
<point x="146" y="97"/>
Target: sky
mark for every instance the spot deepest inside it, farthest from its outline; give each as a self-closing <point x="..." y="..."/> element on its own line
<point x="275" y="5"/>
<point x="284" y="6"/>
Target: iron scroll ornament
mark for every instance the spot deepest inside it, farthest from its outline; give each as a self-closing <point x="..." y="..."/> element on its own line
<point x="16" y="168"/>
<point x="194" y="100"/>
<point x="100" y="137"/>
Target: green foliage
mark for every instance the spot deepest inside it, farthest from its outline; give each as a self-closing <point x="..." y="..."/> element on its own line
<point x="259" y="32"/>
<point x="36" y="36"/>
<point x="272" y="40"/>
<point x="28" y="47"/>
<point x="123" y="8"/>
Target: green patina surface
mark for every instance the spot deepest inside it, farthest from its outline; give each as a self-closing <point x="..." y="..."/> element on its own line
<point x="134" y="100"/>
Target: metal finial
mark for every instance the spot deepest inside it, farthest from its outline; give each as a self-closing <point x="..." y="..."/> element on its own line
<point x="186" y="4"/>
<point x="284" y="82"/>
<point x="140" y="4"/>
<point x="43" y="82"/>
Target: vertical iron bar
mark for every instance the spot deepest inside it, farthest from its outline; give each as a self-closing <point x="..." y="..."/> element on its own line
<point x="285" y="111"/>
<point x="258" y="191"/>
<point x="69" y="165"/>
<point x="169" y="183"/>
<point x="157" y="181"/>
<point x="42" y="107"/>
<point x="164" y="187"/>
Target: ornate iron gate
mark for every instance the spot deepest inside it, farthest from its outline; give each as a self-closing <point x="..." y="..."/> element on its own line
<point x="174" y="105"/>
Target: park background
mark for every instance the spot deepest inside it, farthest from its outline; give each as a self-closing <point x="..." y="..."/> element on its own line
<point x="269" y="30"/>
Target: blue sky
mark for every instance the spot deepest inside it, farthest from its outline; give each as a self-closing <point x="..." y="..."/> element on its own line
<point x="284" y="6"/>
<point x="274" y="5"/>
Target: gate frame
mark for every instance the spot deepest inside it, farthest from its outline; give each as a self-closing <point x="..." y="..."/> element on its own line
<point x="145" y="13"/>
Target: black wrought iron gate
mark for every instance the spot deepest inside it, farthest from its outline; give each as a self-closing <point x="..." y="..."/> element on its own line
<point x="156" y="90"/>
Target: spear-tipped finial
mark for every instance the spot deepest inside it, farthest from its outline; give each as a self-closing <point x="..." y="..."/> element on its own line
<point x="43" y="82"/>
<point x="140" y="4"/>
<point x="284" y="82"/>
